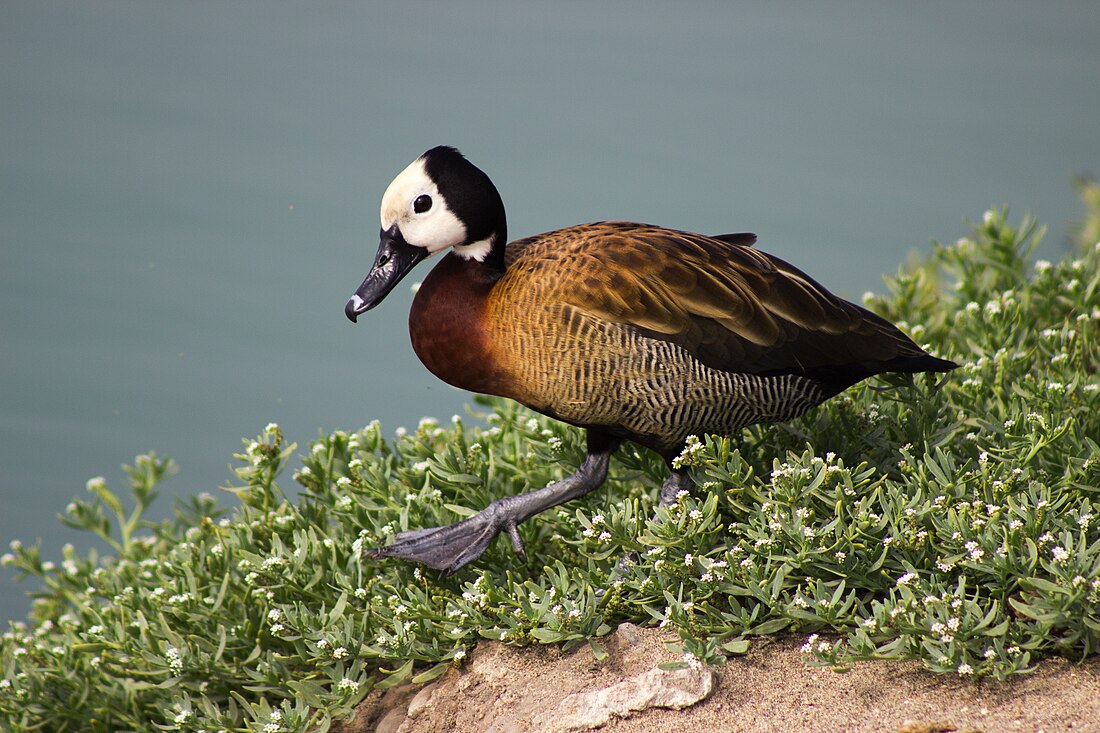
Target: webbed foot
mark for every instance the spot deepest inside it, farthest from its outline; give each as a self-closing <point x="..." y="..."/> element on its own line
<point x="450" y="548"/>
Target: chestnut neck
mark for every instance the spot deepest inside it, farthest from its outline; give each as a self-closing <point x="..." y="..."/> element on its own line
<point x="447" y="321"/>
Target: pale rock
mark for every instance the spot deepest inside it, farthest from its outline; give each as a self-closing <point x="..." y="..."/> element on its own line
<point x="630" y="647"/>
<point x="658" y="688"/>
<point x="421" y="701"/>
<point x="391" y="721"/>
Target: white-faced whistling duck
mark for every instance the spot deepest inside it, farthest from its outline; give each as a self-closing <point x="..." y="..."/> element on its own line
<point x="632" y="332"/>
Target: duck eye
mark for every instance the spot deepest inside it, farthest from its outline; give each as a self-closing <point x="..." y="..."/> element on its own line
<point x="422" y="203"/>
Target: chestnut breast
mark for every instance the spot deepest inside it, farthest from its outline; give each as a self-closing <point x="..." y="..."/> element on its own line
<point x="448" y="329"/>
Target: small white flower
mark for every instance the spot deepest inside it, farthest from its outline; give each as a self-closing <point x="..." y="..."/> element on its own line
<point x="1060" y="554"/>
<point x="339" y="653"/>
<point x="271" y="428"/>
<point x="965" y="670"/>
<point x="692" y="661"/>
<point x="907" y="579"/>
<point x="692" y="447"/>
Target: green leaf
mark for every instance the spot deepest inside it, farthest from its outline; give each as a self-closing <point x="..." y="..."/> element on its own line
<point x="736" y="646"/>
<point x="395" y="678"/>
<point x="769" y="627"/>
<point x="431" y="673"/>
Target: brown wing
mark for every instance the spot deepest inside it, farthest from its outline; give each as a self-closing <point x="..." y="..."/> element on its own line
<point x="731" y="307"/>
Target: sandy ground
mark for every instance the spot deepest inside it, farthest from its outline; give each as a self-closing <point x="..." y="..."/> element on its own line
<point x="507" y="690"/>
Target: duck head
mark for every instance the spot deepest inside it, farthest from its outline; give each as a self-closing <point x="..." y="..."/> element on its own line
<point x="440" y="200"/>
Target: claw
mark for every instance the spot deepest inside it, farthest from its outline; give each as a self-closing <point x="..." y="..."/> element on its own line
<point x="517" y="541"/>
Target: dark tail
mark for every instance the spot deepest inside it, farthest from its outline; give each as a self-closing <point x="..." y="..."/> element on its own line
<point x="914" y="364"/>
<point x="835" y="380"/>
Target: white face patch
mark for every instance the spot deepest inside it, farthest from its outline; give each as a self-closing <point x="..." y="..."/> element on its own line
<point x="434" y="228"/>
<point x="478" y="250"/>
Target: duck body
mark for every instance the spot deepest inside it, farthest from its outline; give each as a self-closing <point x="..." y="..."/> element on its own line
<point x="648" y="333"/>
<point x="631" y="331"/>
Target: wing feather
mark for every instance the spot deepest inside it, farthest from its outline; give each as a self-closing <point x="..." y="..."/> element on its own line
<point x="730" y="306"/>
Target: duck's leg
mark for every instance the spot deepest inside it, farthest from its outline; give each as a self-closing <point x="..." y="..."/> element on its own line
<point x="676" y="482"/>
<point x="449" y="548"/>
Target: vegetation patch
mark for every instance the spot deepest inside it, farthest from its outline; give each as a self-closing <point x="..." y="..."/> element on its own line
<point x="954" y="520"/>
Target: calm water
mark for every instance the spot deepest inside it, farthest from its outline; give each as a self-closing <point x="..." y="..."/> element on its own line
<point x="189" y="191"/>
